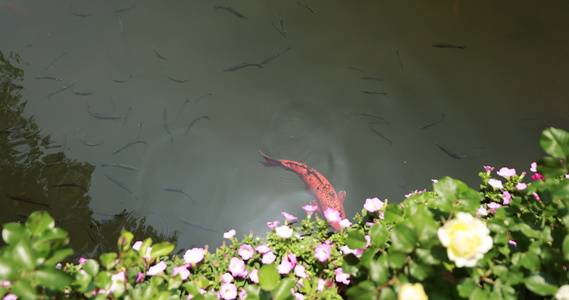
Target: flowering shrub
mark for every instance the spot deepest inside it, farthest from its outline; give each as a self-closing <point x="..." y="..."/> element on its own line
<point x="509" y="240"/>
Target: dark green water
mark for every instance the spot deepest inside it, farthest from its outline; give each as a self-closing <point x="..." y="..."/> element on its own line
<point x="354" y="89"/>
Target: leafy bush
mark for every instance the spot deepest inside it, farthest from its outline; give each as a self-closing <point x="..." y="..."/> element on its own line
<point x="509" y="240"/>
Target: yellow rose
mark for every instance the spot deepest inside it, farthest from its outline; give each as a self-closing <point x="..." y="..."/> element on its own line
<point x="410" y="291"/>
<point x="466" y="238"/>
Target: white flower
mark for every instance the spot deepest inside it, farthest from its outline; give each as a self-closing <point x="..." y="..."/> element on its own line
<point x="562" y="293"/>
<point x="466" y="238"/>
<point x="412" y="292"/>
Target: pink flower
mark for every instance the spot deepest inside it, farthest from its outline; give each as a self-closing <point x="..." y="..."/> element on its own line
<point x="533" y="167"/>
<point x="10" y="297"/>
<point x="254" y="276"/>
<point x="183" y="271"/>
<point x="263" y="249"/>
<point x="511" y="242"/>
<point x="537" y="176"/>
<point x="243" y="294"/>
<point x="140" y="277"/>
<point x="284" y="231"/>
<point x="495" y="183"/>
<point x="246" y="251"/>
<point x="137" y="245"/>
<point x="493" y="206"/>
<point x="341" y="276"/>
<point x="292" y="259"/>
<point x="567" y="176"/>
<point x="229" y="234"/>
<point x="228" y="291"/>
<point x="237" y="267"/>
<point x="273" y="225"/>
<point x="194" y="256"/>
<point x="310" y="209"/>
<point x="506" y="173"/>
<point x="284" y="267"/>
<point x="415" y="192"/>
<point x="481" y="211"/>
<point x="373" y="204"/>
<point x="368" y="240"/>
<point x="157" y="269"/>
<point x="322" y="252"/>
<point x="347" y="250"/>
<point x="536" y="196"/>
<point x="345" y="223"/>
<point x="300" y="271"/>
<point x="118" y="277"/>
<point x="82" y="260"/>
<point x="521" y="186"/>
<point x="226" y="278"/>
<point x="332" y="215"/>
<point x="506" y="196"/>
<point x="288" y="216"/>
<point x="434" y="180"/>
<point x="297" y="296"/>
<point x="488" y="169"/>
<point x="381" y="215"/>
<point x="321" y="284"/>
<point x="268" y="258"/>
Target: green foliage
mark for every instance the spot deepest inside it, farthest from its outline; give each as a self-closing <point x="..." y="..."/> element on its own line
<point x="383" y="253"/>
<point x="29" y="260"/>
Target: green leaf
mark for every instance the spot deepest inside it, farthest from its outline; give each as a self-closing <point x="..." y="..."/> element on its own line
<point x="541" y="284"/>
<point x="49" y="235"/>
<point x="24" y="290"/>
<point x="58" y="256"/>
<point x="108" y="259"/>
<point x="555" y="142"/>
<point x="252" y="292"/>
<point x="466" y="287"/>
<point x="356" y="239"/>
<point x="424" y="224"/>
<point x="365" y="290"/>
<point x="8" y="269"/>
<point x="14" y="232"/>
<point x="551" y="167"/>
<point x="403" y="238"/>
<point x="478" y="294"/>
<point x="396" y="259"/>
<point x="393" y="213"/>
<point x="103" y="280"/>
<point x="268" y="277"/>
<point x="450" y="190"/>
<point x="566" y="247"/>
<point x="379" y="272"/>
<point x="53" y="278"/>
<point x="378" y="234"/>
<point x="144" y="247"/>
<point x="125" y="239"/>
<point x="91" y="266"/>
<point x="39" y="221"/>
<point x="282" y="289"/>
<point x="420" y="271"/>
<point x="162" y="249"/>
<point x="23" y="255"/>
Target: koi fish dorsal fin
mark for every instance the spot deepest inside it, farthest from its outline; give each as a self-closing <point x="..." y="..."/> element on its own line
<point x="341" y="196"/>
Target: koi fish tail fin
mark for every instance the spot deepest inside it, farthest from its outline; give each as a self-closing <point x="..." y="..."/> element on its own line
<point x="270" y="162"/>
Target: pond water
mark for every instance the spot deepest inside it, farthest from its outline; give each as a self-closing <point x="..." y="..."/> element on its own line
<point x="160" y="108"/>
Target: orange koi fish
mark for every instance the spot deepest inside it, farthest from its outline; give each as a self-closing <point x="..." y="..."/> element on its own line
<point x="325" y="194"/>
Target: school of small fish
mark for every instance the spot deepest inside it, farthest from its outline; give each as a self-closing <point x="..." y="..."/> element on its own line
<point x="101" y="108"/>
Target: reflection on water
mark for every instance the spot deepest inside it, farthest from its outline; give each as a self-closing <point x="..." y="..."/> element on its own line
<point x="158" y="109"/>
<point x="37" y="174"/>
